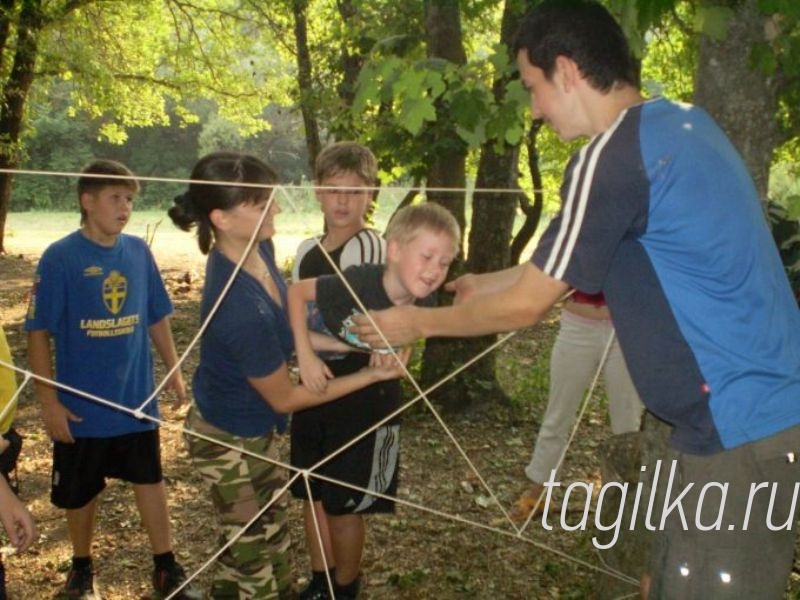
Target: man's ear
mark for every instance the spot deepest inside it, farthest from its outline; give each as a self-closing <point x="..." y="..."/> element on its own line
<point x="567" y="72"/>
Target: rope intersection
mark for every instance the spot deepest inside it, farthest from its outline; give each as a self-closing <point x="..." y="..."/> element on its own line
<point x="515" y="532"/>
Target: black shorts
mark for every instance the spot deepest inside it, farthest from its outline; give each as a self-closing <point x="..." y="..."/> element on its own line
<point x="372" y="463"/>
<point x="80" y="469"/>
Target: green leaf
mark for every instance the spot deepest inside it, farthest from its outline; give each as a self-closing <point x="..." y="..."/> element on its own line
<point x="435" y="83"/>
<point x="410" y="83"/>
<point x="500" y="60"/>
<point x="368" y="90"/>
<point x="473" y="137"/>
<point x="414" y="112"/>
<point x="469" y="106"/>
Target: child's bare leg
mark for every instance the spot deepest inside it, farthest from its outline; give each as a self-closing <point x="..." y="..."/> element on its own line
<point x="347" y="541"/>
<point x="151" y="500"/>
<point x="80" y="523"/>
<point x="312" y="541"/>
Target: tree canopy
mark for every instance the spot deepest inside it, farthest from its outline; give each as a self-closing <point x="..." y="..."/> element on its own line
<point x="417" y="81"/>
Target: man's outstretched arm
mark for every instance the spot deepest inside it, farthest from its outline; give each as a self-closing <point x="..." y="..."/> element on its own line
<point x="518" y="305"/>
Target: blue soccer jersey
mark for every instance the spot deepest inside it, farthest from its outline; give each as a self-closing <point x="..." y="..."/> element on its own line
<point x="660" y="213"/>
<point x="97" y="303"/>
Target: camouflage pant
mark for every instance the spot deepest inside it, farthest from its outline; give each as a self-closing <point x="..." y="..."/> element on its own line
<point x="256" y="565"/>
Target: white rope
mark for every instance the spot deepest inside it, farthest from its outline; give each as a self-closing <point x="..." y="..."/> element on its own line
<point x="289" y="186"/>
<point x="250" y="244"/>
<point x="421" y="394"/>
<point x="12" y="402"/>
<point x="275" y="497"/>
<point x="318" y="532"/>
<point x="584" y="404"/>
<point x="309" y="473"/>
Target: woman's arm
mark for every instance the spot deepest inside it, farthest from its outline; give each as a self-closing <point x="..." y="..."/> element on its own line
<point x="284" y="396"/>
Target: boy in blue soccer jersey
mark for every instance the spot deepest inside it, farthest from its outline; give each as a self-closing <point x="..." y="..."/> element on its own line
<point x="659" y="213"/>
<point x="99" y="295"/>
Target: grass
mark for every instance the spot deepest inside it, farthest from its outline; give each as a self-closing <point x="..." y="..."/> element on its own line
<point x="31" y="232"/>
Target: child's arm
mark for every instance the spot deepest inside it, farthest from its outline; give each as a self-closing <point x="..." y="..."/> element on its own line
<point x="314" y="373"/>
<point x="17" y="521"/>
<point x="284" y="396"/>
<point x="56" y="416"/>
<point x="161" y="334"/>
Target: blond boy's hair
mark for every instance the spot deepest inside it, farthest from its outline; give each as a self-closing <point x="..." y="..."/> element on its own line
<point x="346" y="157"/>
<point x="407" y="222"/>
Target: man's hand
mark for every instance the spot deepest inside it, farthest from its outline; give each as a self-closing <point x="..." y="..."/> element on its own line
<point x="397" y="325"/>
<point x="56" y="421"/>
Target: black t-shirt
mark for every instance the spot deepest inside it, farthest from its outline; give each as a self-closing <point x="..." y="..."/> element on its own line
<point x="337" y="305"/>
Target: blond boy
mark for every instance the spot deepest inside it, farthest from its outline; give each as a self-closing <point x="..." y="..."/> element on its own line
<point x="422" y="242"/>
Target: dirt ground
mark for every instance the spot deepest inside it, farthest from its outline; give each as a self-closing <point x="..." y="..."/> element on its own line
<point x="460" y="548"/>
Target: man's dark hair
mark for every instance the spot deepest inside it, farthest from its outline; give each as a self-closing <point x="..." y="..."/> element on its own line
<point x="583" y="31"/>
<point x="121" y="175"/>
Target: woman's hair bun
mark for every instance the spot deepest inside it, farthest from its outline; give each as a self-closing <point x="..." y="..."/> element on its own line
<point x="182" y="212"/>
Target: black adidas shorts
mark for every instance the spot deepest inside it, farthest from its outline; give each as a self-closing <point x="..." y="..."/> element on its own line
<point x="80" y="469"/>
<point x="372" y="463"/>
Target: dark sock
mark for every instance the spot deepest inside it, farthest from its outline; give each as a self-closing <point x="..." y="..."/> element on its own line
<point x="165" y="560"/>
<point x="318" y="579"/>
<point x="349" y="590"/>
<point x="81" y="562"/>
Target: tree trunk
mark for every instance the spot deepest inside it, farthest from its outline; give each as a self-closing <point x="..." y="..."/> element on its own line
<point x="743" y="101"/>
<point x="304" y="81"/>
<point x="621" y="460"/>
<point x="6" y="14"/>
<point x="446" y="169"/>
<point x="533" y="212"/>
<point x="492" y="222"/>
<point x="351" y="61"/>
<point x="14" y="95"/>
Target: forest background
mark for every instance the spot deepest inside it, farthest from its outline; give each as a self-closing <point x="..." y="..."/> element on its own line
<point x="429" y="85"/>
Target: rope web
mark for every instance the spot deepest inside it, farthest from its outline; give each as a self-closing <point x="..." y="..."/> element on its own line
<point x="513" y="532"/>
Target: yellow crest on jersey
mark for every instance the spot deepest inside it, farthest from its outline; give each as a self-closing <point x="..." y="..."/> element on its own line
<point x="115" y="291"/>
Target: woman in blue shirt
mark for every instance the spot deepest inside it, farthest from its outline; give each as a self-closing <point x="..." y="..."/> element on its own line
<point x="242" y="386"/>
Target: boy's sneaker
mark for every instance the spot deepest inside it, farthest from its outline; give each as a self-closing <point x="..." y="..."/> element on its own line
<point x="313" y="591"/>
<point x="80" y="585"/>
<point x="165" y="581"/>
